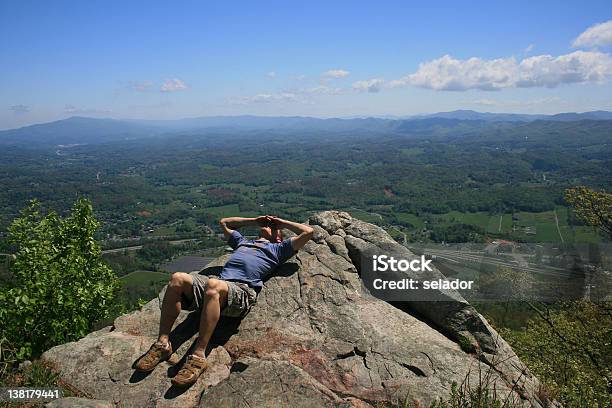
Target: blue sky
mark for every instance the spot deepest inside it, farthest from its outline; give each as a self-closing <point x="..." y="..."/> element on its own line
<point x="169" y="60"/>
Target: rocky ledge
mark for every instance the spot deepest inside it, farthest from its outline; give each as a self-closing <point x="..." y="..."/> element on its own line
<point x="315" y="338"/>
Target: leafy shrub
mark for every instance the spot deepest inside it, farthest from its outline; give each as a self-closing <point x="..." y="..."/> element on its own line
<point x="568" y="347"/>
<point x="59" y="285"/>
<point x="591" y="207"/>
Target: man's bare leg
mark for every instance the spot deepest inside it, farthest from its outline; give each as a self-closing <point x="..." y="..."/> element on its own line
<point x="180" y="283"/>
<point x="215" y="299"/>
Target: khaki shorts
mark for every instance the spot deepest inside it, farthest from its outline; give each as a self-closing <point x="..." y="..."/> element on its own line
<point x="240" y="297"/>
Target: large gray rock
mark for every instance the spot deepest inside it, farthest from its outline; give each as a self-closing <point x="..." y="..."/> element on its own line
<point x="74" y="402"/>
<point x="315" y="338"/>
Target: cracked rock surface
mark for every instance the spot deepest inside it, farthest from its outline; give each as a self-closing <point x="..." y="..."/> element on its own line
<point x="315" y="338"/>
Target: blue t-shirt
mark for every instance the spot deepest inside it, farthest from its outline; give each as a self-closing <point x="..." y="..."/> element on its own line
<point x="253" y="260"/>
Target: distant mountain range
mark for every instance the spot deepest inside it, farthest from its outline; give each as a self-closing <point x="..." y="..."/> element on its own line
<point x="83" y="130"/>
<point x="517" y="117"/>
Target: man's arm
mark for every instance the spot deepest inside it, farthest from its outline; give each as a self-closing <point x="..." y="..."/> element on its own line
<point x="228" y="225"/>
<point x="304" y="232"/>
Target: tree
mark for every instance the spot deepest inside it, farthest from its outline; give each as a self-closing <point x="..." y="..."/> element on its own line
<point x="592" y="207"/>
<point x="59" y="285"/>
<point x="568" y="347"/>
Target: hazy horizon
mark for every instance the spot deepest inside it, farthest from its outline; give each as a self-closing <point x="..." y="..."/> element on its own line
<point x="348" y="117"/>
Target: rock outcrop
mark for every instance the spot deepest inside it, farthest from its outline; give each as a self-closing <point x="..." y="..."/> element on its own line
<point x="314" y="338"/>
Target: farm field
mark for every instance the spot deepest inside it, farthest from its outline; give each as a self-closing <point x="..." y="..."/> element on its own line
<point x="528" y="226"/>
<point x="140" y="278"/>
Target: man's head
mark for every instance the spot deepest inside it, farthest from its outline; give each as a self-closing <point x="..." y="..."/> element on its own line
<point x="270" y="233"/>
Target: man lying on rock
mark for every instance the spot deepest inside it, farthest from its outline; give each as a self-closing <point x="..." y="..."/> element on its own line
<point x="232" y="293"/>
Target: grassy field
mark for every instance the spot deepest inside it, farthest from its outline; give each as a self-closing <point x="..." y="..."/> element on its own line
<point x="230" y="210"/>
<point x="140" y="286"/>
<point x="140" y="278"/>
<point x="542" y="223"/>
<point x="493" y="226"/>
<point x="364" y="215"/>
<point x="480" y="219"/>
<point x="546" y="228"/>
<point x="411" y="218"/>
<point x="165" y="230"/>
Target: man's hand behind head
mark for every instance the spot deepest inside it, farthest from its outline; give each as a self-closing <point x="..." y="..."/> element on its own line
<point x="304" y="232"/>
<point x="278" y="222"/>
<point x="264" y="220"/>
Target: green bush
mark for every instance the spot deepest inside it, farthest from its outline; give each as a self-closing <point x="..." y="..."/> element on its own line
<point x="59" y="285"/>
<point x="568" y="347"/>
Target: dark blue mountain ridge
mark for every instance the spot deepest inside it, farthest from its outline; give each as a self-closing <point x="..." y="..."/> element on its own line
<point x="86" y="130"/>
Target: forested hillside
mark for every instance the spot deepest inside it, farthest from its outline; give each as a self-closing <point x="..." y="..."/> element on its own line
<point x="421" y="177"/>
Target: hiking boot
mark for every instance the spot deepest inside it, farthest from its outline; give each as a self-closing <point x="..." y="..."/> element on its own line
<point x="191" y="370"/>
<point x="156" y="354"/>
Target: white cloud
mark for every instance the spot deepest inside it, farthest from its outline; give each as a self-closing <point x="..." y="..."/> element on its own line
<point x="271" y="74"/>
<point x="335" y="74"/>
<point x="173" y="85"/>
<point x="577" y="67"/>
<point x="370" y="85"/>
<point x="321" y="89"/>
<point x="486" y="102"/>
<point x="73" y="110"/>
<point x="266" y="98"/>
<point x="541" y="101"/>
<point x="450" y="74"/>
<point x="529" y="48"/>
<point x="596" y="35"/>
<point x="302" y="95"/>
<point x="152" y="106"/>
<point x="398" y="83"/>
<point x="140" y="86"/>
<point x="518" y="103"/>
<point x="19" y="109"/>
